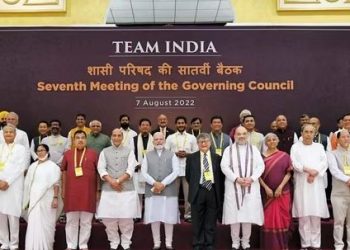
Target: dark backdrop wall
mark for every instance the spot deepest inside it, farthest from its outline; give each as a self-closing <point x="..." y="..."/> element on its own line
<point x="50" y="73"/>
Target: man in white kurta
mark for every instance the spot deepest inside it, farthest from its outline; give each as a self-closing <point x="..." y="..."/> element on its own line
<point x="57" y="143"/>
<point x="309" y="203"/>
<point x="143" y="143"/>
<point x="128" y="133"/>
<point x="339" y="166"/>
<point x="21" y="136"/>
<point x="242" y="165"/>
<point x="119" y="202"/>
<point x="254" y="138"/>
<point x="12" y="167"/>
<point x="182" y="144"/>
<point x="160" y="168"/>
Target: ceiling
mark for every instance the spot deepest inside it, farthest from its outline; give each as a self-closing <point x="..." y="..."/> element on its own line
<point x="136" y="12"/>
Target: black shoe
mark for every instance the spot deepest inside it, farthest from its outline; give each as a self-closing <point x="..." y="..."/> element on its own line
<point x="169" y="248"/>
<point x="137" y="220"/>
<point x="188" y="220"/>
<point x="156" y="248"/>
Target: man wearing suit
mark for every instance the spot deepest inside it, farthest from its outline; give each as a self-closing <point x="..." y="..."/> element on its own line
<point x="162" y="126"/>
<point x="205" y="181"/>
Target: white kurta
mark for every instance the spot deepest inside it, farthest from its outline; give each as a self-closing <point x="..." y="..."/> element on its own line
<point x="128" y="136"/>
<point x="251" y="211"/>
<point x="138" y="179"/>
<point x="14" y="156"/>
<point x="161" y="208"/>
<point x="38" y="193"/>
<point x="57" y="145"/>
<point x="256" y="139"/>
<point x="115" y="204"/>
<point x="309" y="198"/>
<point x="22" y="139"/>
<point x="184" y="141"/>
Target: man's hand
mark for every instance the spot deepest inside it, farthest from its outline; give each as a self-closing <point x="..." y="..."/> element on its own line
<point x="158" y="187"/>
<point x="3" y="185"/>
<point x="116" y="185"/>
<point x="54" y="203"/>
<point x="310" y="178"/>
<point x="181" y="154"/>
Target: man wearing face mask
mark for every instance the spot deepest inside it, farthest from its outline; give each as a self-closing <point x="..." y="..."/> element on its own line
<point x="182" y="144"/>
<point x="57" y="143"/>
<point x="79" y="184"/>
<point x="12" y="166"/>
<point x="242" y="165"/>
<point x="119" y="202"/>
<point x="128" y="133"/>
<point x="160" y="168"/>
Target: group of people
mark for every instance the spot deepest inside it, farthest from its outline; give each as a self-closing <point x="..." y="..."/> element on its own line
<point x="241" y="178"/>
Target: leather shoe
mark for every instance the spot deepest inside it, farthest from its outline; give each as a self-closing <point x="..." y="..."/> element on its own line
<point x="156" y="248"/>
<point x="188" y="220"/>
<point x="169" y="248"/>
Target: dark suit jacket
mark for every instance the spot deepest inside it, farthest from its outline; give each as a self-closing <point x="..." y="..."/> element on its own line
<point x="193" y="175"/>
<point x="169" y="131"/>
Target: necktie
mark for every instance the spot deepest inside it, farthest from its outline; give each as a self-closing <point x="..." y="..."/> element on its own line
<point x="206" y="183"/>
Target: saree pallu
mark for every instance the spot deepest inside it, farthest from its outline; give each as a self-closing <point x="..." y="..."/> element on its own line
<point x="277" y="221"/>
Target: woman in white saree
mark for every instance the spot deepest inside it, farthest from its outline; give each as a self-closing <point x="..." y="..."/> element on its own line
<point x="41" y="190"/>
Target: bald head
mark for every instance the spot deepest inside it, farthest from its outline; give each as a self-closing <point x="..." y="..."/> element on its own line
<point x="162" y="121"/>
<point x="241" y="135"/>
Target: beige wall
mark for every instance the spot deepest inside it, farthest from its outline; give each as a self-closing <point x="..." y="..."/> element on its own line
<point x="265" y="11"/>
<point x="92" y="12"/>
<point x="78" y="12"/>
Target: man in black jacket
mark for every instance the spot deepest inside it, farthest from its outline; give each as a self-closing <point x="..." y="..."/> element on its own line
<point x="205" y="179"/>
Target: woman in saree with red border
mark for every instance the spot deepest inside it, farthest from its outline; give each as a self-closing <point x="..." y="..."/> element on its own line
<point x="276" y="195"/>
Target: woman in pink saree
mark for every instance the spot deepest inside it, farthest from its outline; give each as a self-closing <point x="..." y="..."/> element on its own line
<point x="276" y="195"/>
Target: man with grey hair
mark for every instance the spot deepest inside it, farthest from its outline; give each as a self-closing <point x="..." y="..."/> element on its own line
<point x="205" y="192"/>
<point x="97" y="140"/>
<point x="309" y="202"/>
<point x="119" y="202"/>
<point x="21" y="136"/>
<point x="339" y="166"/>
<point x="242" y="165"/>
<point x="12" y="167"/>
<point x="160" y="168"/>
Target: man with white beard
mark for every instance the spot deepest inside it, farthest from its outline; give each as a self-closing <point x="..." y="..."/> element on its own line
<point x="160" y="168"/>
<point x="242" y="165"/>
